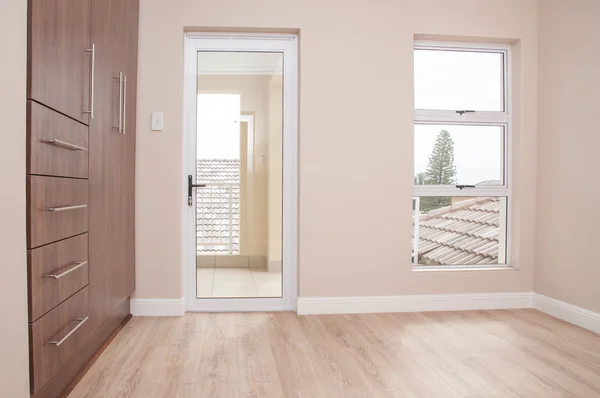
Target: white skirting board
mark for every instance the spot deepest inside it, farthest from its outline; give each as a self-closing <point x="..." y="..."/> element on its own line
<point x="413" y="303"/>
<point x="157" y="307"/>
<point x="274" y="266"/>
<point x="567" y="312"/>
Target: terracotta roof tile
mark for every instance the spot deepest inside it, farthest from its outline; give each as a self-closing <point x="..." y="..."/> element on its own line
<point x="464" y="233"/>
<point x="212" y="205"/>
<point x="218" y="170"/>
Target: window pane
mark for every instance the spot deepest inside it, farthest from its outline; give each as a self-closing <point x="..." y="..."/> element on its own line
<point x="459" y="230"/>
<point x="239" y="166"/>
<point x="458" y="80"/>
<point x="454" y="154"/>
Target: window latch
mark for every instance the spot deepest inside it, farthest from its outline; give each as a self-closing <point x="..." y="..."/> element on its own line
<point x="464" y="111"/>
<point x="461" y="187"/>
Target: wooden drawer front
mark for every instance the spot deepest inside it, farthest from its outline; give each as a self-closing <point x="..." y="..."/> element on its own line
<point x="59" y="63"/>
<point x="56" y="272"/>
<point x="56" y="145"/>
<point x="57" y="209"/>
<point x="57" y="336"/>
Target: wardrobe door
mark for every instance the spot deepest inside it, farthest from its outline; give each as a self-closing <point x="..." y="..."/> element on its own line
<point x="128" y="149"/>
<point x="107" y="175"/>
<point x="60" y="56"/>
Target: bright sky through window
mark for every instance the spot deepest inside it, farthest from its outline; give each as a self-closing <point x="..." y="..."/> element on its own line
<point x="218" y="126"/>
<point x="458" y="80"/>
<point x="477" y="151"/>
<point x="450" y="80"/>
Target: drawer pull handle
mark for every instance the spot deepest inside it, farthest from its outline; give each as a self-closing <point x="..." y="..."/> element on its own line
<point x="76" y="266"/>
<point x="81" y="322"/>
<point x="65" y="208"/>
<point x="65" y="144"/>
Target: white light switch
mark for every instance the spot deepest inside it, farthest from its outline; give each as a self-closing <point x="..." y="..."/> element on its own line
<point x="157" y="121"/>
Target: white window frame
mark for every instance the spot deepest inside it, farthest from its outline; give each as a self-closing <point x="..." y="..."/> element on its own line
<point x="477" y="118"/>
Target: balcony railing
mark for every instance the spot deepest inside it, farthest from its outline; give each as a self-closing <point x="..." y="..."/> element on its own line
<point x="218" y="218"/>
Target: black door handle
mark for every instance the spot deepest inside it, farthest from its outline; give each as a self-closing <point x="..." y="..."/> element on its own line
<point x="190" y="186"/>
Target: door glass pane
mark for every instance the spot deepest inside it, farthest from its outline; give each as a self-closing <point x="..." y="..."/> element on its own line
<point x="459" y="230"/>
<point x="239" y="162"/>
<point x="455" y="154"/>
<point x="459" y="80"/>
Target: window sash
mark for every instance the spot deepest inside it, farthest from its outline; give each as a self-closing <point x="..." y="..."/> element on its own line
<point x="451" y="117"/>
<point x="442" y="190"/>
<point x="437" y="190"/>
<point x="471" y="47"/>
<point x="504" y="244"/>
<point x="477" y="118"/>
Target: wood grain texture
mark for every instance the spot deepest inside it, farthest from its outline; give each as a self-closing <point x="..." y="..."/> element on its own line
<point x="58" y="66"/>
<point x="45" y="226"/>
<point x="94" y="358"/>
<point x="47" y="359"/>
<point x="59" y="78"/>
<point x="128" y="154"/>
<point x="44" y="124"/>
<point x="507" y="353"/>
<point x="72" y="368"/>
<point x="112" y="155"/>
<point x="46" y="293"/>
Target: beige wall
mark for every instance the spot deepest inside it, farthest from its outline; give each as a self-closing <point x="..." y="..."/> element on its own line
<point x="567" y="268"/>
<point x="355" y="139"/>
<point x="14" y="357"/>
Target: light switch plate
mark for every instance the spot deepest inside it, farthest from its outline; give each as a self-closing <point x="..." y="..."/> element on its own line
<point x="157" y="121"/>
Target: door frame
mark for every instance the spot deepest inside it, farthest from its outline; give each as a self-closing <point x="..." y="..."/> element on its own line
<point x="287" y="44"/>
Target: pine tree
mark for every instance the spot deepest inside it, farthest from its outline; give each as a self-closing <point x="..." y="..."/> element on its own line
<point x="420" y="178"/>
<point x="440" y="171"/>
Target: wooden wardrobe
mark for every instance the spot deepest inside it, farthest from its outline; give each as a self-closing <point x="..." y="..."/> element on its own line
<point x="81" y="106"/>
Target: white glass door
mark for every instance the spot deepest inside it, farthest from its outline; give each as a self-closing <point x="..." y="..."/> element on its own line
<point x="240" y="215"/>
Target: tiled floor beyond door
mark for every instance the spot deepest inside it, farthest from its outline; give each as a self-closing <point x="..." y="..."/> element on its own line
<point x="238" y="282"/>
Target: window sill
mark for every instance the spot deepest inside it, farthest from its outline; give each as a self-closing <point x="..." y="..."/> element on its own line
<point x="458" y="268"/>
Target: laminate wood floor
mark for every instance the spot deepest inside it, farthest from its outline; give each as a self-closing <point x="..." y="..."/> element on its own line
<point x="507" y="353"/>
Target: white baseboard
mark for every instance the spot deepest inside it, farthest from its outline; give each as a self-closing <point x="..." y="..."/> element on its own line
<point x="567" y="312"/>
<point x="274" y="266"/>
<point x="157" y="307"/>
<point x="413" y="303"/>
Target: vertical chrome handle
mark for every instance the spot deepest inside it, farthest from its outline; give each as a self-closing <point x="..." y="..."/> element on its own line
<point x="124" y="102"/>
<point x="80" y="323"/>
<point x="119" y="127"/>
<point x="93" y="73"/>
